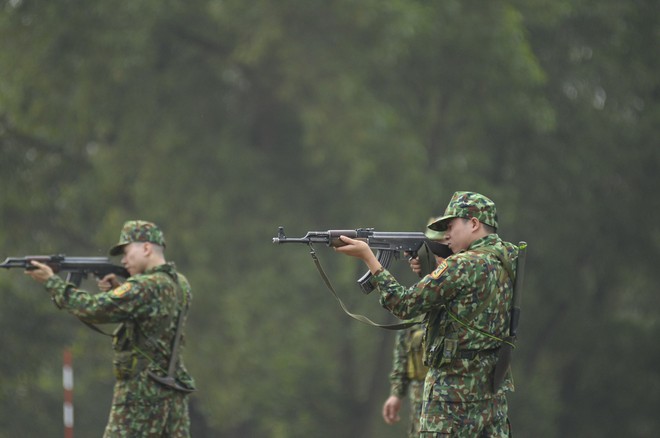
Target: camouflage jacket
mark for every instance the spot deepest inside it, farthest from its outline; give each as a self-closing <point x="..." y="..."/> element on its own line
<point x="453" y="292"/>
<point x="147" y="303"/>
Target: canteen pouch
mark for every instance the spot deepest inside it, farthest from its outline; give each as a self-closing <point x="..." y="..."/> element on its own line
<point x="125" y="363"/>
<point x="416" y="368"/>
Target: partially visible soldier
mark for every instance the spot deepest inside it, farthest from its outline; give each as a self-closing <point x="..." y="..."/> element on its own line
<point x="407" y="378"/>
<point x="468" y="300"/>
<point x="408" y="369"/>
<point x="151" y="307"/>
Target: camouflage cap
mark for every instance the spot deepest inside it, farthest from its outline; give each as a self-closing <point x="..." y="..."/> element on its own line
<point x="433" y="234"/>
<point x="467" y="205"/>
<point x="138" y="231"/>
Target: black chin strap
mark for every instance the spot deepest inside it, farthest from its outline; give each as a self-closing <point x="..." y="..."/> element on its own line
<point x="363" y="319"/>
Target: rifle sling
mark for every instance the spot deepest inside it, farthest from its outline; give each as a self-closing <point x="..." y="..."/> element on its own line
<point x="363" y="319"/>
<point x="170" y="379"/>
<point x="179" y="331"/>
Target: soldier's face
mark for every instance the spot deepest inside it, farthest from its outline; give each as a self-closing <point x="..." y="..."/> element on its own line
<point x="459" y="234"/>
<point x="135" y="257"/>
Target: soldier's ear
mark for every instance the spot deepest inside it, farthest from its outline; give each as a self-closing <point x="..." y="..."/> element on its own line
<point x="474" y="223"/>
<point x="147" y="248"/>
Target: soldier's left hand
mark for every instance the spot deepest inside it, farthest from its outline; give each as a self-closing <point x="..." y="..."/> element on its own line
<point x="41" y="271"/>
<point x="354" y="248"/>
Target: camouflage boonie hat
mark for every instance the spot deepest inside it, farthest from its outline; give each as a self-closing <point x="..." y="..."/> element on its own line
<point x="138" y="231"/>
<point x="467" y="205"/>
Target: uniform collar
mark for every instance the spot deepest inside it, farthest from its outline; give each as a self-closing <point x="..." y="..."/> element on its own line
<point x="489" y="240"/>
<point x="168" y="268"/>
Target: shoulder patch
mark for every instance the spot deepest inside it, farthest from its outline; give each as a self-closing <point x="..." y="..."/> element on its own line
<point x="122" y="290"/>
<point x="442" y="267"/>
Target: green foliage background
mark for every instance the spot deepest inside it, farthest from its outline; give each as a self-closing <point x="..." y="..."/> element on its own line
<point x="221" y="120"/>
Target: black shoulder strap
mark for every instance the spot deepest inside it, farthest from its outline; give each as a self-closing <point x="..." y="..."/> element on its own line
<point x="170" y="379"/>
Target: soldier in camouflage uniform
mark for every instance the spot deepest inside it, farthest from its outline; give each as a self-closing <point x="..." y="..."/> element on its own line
<point x="467" y="300"/>
<point x="407" y="378"/>
<point x="147" y="307"/>
<point x="408" y="369"/>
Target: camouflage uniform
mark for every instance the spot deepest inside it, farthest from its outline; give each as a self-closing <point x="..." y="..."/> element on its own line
<point x="408" y="373"/>
<point x="147" y="306"/>
<point x="467" y="300"/>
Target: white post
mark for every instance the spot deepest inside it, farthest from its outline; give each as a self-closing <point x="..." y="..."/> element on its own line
<point x="67" y="382"/>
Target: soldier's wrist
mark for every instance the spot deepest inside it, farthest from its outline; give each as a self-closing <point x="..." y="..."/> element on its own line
<point x="398" y="391"/>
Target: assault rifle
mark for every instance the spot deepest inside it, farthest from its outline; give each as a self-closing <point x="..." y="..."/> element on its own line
<point x="388" y="245"/>
<point x="77" y="268"/>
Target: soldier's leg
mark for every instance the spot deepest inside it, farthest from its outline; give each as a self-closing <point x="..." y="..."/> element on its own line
<point x="178" y="421"/>
<point x="484" y="419"/>
<point x="497" y="411"/>
<point x="143" y="408"/>
<point x="137" y="419"/>
<point x="415" y="390"/>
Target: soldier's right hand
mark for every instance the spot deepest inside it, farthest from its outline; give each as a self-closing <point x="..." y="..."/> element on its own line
<point x="108" y="282"/>
<point x="415" y="265"/>
<point x="391" y="409"/>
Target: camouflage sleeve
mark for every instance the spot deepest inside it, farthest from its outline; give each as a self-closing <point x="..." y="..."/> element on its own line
<point x="430" y="292"/>
<point x="399" y="375"/>
<point x="105" y="307"/>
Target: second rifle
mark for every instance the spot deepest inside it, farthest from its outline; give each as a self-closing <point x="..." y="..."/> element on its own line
<point x="388" y="245"/>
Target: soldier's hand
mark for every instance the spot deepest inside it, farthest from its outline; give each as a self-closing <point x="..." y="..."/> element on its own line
<point x="415" y="265"/>
<point x="108" y="282"/>
<point x="41" y="272"/>
<point x="391" y="409"/>
<point x="360" y="249"/>
<point x="354" y="247"/>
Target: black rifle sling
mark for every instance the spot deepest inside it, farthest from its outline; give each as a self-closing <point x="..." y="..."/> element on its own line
<point x="170" y="379"/>
<point x="363" y="319"/>
<point x="95" y="328"/>
<point x="504" y="355"/>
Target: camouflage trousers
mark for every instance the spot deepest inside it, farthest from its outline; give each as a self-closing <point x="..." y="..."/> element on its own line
<point x="477" y="419"/>
<point x="415" y="394"/>
<point x="143" y="408"/>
